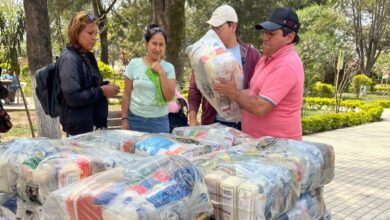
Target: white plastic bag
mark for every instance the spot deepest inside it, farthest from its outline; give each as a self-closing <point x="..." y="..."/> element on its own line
<point x="211" y="60"/>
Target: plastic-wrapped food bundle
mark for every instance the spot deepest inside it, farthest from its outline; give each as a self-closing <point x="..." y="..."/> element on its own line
<point x="8" y="206"/>
<point x="208" y="163"/>
<point x="211" y="60"/>
<point x="18" y="159"/>
<point x="64" y="168"/>
<point x="251" y="190"/>
<point x="327" y="168"/>
<point x="242" y="187"/>
<point x="160" y="144"/>
<point x="158" y="187"/>
<point x="122" y="140"/>
<point x="227" y="136"/>
<point x="317" y="166"/>
<point x="29" y="210"/>
<point x="311" y="205"/>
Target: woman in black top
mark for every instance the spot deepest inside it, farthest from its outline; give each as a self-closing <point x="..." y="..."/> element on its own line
<point x="85" y="104"/>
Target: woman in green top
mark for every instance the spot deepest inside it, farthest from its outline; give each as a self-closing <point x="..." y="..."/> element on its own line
<point x="149" y="86"/>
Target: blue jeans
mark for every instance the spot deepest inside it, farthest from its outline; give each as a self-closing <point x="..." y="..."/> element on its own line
<point x="151" y="125"/>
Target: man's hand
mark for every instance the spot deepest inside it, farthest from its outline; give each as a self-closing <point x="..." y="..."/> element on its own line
<point x="192" y="120"/>
<point x="226" y="88"/>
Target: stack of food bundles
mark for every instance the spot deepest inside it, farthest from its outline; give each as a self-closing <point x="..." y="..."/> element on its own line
<point x="310" y="166"/>
<point x="157" y="187"/>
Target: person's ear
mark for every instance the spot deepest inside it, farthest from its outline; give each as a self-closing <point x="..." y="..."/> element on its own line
<point x="234" y="26"/>
<point x="291" y="36"/>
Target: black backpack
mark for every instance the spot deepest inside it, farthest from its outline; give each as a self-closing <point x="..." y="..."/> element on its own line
<point x="48" y="89"/>
<point x="179" y="119"/>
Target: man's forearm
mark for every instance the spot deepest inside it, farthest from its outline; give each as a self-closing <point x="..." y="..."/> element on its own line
<point x="252" y="104"/>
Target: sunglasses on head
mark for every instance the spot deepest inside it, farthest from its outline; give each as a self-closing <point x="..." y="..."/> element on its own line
<point x="91" y="18"/>
<point x="155" y="29"/>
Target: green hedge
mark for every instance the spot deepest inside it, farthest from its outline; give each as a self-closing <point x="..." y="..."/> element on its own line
<point x="319" y="123"/>
<point x="385" y="103"/>
<point x="323" y="90"/>
<point x="317" y="103"/>
<point x="381" y="88"/>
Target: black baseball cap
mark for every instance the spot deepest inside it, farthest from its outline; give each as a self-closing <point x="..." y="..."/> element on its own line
<point x="280" y="17"/>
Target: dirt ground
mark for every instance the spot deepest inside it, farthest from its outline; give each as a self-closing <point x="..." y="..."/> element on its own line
<point x="21" y="127"/>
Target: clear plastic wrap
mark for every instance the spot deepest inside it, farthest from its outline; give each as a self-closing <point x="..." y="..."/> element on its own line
<point x="64" y="168"/>
<point x="29" y="210"/>
<point x="18" y="159"/>
<point x="327" y="168"/>
<point x="8" y="206"/>
<point x="311" y="205"/>
<point x="122" y="140"/>
<point x="315" y="161"/>
<point x="211" y="60"/>
<point x="218" y="133"/>
<point x="164" y="144"/>
<point x="242" y="187"/>
<point x="158" y="187"/>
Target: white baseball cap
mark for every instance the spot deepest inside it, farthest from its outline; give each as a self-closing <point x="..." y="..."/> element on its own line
<point x="221" y="15"/>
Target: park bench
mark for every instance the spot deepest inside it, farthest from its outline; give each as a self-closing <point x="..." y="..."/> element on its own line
<point x="114" y="116"/>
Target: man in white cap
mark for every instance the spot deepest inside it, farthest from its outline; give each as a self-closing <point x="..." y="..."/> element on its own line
<point x="272" y="104"/>
<point x="224" y="22"/>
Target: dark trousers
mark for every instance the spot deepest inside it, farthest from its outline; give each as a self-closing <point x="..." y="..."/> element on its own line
<point x="230" y="124"/>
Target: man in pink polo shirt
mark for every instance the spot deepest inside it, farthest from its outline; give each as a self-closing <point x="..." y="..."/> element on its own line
<point x="272" y="104"/>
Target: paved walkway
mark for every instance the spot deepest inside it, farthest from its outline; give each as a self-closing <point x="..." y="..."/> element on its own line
<point x="361" y="187"/>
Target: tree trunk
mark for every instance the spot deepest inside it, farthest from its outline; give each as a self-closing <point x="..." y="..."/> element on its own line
<point x="370" y="24"/>
<point x="171" y="15"/>
<point x="104" y="42"/>
<point x="39" y="54"/>
<point x="101" y="13"/>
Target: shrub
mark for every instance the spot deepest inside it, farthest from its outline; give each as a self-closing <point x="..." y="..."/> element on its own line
<point x="381" y="89"/>
<point x="319" y="123"/>
<point x="105" y="70"/>
<point x="24" y="70"/>
<point x="316" y="103"/>
<point x="385" y="103"/>
<point x="5" y="66"/>
<point x="358" y="81"/>
<point x="323" y="90"/>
